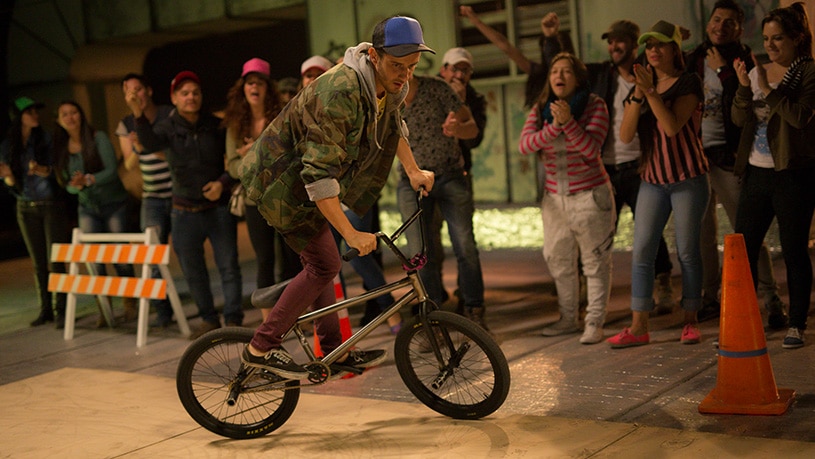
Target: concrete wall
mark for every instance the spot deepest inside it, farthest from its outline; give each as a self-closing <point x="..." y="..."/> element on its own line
<point x="78" y="49"/>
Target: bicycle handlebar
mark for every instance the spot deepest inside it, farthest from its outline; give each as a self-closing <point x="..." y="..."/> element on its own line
<point x="352" y="253"/>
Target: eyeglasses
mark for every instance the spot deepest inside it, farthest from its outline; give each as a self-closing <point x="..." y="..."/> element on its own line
<point x="462" y="70"/>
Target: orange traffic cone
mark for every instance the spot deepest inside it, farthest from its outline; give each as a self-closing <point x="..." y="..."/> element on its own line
<point x="345" y="321"/>
<point x="745" y="383"/>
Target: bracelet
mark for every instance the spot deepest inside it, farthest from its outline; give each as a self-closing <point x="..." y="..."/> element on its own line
<point x="636" y="100"/>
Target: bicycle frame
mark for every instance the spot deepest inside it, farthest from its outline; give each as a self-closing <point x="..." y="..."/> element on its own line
<point x="412" y="281"/>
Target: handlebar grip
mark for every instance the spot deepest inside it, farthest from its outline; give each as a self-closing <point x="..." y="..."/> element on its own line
<point x="350" y="254"/>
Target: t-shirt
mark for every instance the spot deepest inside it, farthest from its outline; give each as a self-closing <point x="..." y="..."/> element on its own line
<point x="155" y="172"/>
<point x="760" y="155"/>
<point x="616" y="151"/>
<point x="712" y="115"/>
<point x="433" y="150"/>
<point x="679" y="157"/>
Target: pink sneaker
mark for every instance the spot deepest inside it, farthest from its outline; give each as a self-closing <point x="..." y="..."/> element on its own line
<point x="690" y="334"/>
<point x="626" y="339"/>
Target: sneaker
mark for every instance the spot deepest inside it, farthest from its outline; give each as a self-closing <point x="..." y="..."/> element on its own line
<point x="204" y="328"/>
<point x="777" y="318"/>
<point x="690" y="334"/>
<point x="276" y="361"/>
<point x="561" y="327"/>
<point x="626" y="339"/>
<point x="794" y="339"/>
<point x="592" y="333"/>
<point x="710" y="310"/>
<point x="358" y="358"/>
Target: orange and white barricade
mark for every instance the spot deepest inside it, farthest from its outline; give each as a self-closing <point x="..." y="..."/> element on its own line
<point x="122" y="248"/>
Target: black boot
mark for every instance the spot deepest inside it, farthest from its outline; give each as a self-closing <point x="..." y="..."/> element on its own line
<point x="43" y="319"/>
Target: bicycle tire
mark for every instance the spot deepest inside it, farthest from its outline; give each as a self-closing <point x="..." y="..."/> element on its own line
<point x="203" y="379"/>
<point x="476" y="386"/>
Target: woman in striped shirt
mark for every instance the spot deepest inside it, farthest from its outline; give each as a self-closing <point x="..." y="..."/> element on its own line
<point x="665" y="109"/>
<point x="567" y="128"/>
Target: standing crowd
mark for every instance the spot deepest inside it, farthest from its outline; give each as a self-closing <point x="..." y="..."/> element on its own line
<point x="664" y="132"/>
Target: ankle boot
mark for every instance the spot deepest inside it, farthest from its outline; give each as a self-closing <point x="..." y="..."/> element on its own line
<point x="43" y="318"/>
<point x="131" y="308"/>
<point x="665" y="303"/>
<point x="477" y="315"/>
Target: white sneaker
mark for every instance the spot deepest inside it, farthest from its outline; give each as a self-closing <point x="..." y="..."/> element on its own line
<point x="592" y="334"/>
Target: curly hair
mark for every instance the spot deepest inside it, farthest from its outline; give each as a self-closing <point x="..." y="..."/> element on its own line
<point x="238" y="114"/>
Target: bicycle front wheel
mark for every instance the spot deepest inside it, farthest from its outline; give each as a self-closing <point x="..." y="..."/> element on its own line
<point x="472" y="378"/>
<point x="225" y="398"/>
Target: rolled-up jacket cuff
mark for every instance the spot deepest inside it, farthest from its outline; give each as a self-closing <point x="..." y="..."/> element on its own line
<point x="322" y="189"/>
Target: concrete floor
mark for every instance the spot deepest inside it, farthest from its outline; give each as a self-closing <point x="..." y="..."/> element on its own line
<point x="99" y="395"/>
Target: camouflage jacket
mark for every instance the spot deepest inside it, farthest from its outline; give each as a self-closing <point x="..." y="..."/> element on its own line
<point x="328" y="141"/>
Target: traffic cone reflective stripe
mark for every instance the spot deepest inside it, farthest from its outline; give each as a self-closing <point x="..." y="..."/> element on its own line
<point x="745" y="383"/>
<point x="345" y="320"/>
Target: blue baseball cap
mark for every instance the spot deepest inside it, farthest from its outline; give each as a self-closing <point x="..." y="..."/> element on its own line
<point x="399" y="36"/>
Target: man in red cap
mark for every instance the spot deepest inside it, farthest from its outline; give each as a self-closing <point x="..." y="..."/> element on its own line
<point x="195" y="145"/>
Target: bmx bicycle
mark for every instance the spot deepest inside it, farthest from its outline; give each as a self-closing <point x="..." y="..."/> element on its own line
<point x="449" y="363"/>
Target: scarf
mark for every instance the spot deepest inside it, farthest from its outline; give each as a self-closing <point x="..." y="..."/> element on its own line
<point x="792" y="79"/>
<point x="577" y="105"/>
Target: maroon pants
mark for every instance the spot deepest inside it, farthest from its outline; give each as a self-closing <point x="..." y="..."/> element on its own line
<point x="314" y="285"/>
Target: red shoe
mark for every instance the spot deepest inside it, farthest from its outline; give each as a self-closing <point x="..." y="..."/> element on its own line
<point x="626" y="339"/>
<point x="690" y="334"/>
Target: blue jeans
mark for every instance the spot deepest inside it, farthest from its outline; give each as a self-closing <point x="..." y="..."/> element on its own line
<point x="111" y="218"/>
<point x="455" y="201"/>
<point x="367" y="267"/>
<point x="688" y="200"/>
<point x="157" y="212"/>
<point x="190" y="231"/>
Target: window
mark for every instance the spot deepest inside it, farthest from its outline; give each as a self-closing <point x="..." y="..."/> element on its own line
<point x="519" y="21"/>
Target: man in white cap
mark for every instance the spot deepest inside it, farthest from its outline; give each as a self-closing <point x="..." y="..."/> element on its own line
<point x="457" y="69"/>
<point x="438" y="119"/>
<point x="313" y="67"/>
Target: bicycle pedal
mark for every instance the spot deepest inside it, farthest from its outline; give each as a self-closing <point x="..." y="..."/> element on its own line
<point x="338" y="368"/>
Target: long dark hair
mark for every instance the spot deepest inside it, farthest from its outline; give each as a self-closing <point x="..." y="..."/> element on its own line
<point x="795" y="23"/>
<point x="17" y="149"/>
<point x="90" y="156"/>
<point x="238" y="114"/>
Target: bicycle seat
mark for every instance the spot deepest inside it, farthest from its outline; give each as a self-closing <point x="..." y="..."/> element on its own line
<point x="266" y="297"/>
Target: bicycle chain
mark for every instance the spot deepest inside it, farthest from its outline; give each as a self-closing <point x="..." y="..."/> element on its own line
<point x="319" y="378"/>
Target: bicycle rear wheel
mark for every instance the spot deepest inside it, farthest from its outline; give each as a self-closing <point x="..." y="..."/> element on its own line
<point x="472" y="380"/>
<point x="223" y="397"/>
